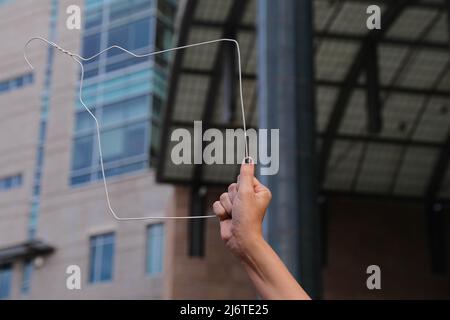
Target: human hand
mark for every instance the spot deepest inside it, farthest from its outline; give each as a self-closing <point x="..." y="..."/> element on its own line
<point x="241" y="211"/>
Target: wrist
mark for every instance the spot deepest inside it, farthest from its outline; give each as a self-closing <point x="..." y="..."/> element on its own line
<point x="252" y="247"/>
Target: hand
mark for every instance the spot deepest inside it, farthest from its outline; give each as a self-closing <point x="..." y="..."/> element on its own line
<point x="241" y="211"/>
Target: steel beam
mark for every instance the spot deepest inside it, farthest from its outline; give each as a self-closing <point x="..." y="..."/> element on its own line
<point x="423" y="44"/>
<point x="388" y="88"/>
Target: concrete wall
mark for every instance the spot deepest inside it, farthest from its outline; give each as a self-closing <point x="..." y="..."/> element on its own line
<point x="19" y="111"/>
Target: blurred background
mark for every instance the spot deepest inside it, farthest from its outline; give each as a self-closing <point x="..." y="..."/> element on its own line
<point x="364" y="119"/>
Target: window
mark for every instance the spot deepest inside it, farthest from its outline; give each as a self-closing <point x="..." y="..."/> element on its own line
<point x="123" y="142"/>
<point x="5" y="281"/>
<point x="124" y="130"/>
<point x="26" y="274"/>
<point x="10" y="182"/>
<point x="82" y="152"/>
<point x="101" y="258"/>
<point x="155" y="248"/>
<point x="16" y="83"/>
<point x="131" y="36"/>
<point x="120" y="9"/>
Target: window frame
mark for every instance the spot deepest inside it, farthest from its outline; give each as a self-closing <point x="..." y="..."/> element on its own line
<point x="162" y="248"/>
<point x="95" y="262"/>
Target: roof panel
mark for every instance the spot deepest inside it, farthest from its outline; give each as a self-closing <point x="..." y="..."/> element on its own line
<point x="213" y="10"/>
<point x="190" y="97"/>
<point x="250" y="13"/>
<point x="354" y="121"/>
<point x="445" y="82"/>
<point x="390" y="58"/>
<point x="439" y="32"/>
<point x="399" y="114"/>
<point x="324" y="11"/>
<point x="201" y="57"/>
<point x="342" y="165"/>
<point x="351" y="18"/>
<point x="415" y="171"/>
<point x="434" y="122"/>
<point x="424" y="69"/>
<point x="378" y="168"/>
<point x="334" y="58"/>
<point x="247" y="43"/>
<point x="325" y="98"/>
<point x="412" y="23"/>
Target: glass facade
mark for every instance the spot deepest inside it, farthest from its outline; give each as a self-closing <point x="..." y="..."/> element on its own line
<point x="155" y="248"/>
<point x="125" y="93"/>
<point x="101" y="258"/>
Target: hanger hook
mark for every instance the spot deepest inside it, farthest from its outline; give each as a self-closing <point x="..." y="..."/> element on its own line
<point x="25" y="55"/>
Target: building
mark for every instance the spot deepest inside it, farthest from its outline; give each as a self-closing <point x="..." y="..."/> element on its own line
<point x="364" y="155"/>
<point x="53" y="212"/>
<point x="364" y="125"/>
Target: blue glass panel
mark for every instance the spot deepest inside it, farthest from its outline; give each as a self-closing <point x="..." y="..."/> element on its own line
<point x="155" y="248"/>
<point x="93" y="19"/>
<point x="93" y="261"/>
<point x="135" y="140"/>
<point x="123" y="169"/>
<point x="84" y="121"/>
<point x="7" y="183"/>
<point x="91" y="45"/>
<point x="118" y="65"/>
<point x="140" y="31"/>
<point x="107" y="259"/>
<point x="80" y="179"/>
<point x="82" y="152"/>
<point x="91" y="73"/>
<point x="118" y="36"/>
<point x="4" y="86"/>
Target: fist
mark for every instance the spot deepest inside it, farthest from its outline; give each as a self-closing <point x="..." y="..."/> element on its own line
<point x="241" y="211"/>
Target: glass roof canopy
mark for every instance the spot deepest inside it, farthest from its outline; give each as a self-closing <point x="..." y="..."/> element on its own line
<point x="403" y="159"/>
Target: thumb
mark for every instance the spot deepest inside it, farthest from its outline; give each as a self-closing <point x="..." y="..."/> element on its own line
<point x="246" y="177"/>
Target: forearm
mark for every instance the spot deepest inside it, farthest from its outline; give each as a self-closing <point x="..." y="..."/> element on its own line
<point x="269" y="275"/>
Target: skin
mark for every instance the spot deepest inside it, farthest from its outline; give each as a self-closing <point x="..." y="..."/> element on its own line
<point x="241" y="212"/>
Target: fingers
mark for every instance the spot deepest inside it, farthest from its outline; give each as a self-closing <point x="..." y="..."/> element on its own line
<point x="232" y="191"/>
<point x="220" y="211"/>
<point x="226" y="202"/>
<point x="246" y="178"/>
<point x="225" y="229"/>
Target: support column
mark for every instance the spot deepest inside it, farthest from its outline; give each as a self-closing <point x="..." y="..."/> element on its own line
<point x="286" y="102"/>
<point x="196" y="227"/>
